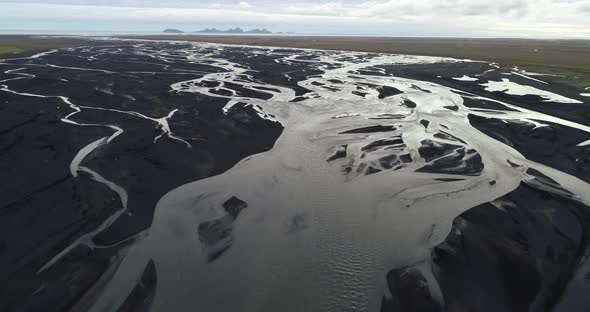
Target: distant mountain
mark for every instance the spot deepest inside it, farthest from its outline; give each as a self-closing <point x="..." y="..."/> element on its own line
<point x="236" y="30"/>
<point x="173" y="31"/>
<point x="215" y="31"/>
<point x="259" y="31"/>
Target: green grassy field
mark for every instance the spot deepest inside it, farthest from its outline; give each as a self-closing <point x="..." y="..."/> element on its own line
<point x="568" y="59"/>
<point x="10" y="50"/>
<point x="26" y="44"/>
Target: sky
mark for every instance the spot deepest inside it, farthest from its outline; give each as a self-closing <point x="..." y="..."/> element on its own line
<point x="434" y="18"/>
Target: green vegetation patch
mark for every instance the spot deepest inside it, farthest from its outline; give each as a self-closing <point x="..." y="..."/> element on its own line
<point x="24" y="44"/>
<point x="9" y="50"/>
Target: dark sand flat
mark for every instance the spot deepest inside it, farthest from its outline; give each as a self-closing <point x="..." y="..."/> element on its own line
<point x="169" y="176"/>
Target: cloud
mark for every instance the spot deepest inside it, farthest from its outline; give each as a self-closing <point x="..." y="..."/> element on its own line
<point x="326" y="9"/>
<point x="232" y="6"/>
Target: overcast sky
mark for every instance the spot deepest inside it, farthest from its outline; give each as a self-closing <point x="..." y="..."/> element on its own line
<point x="465" y="18"/>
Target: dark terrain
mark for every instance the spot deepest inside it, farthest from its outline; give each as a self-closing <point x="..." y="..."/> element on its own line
<point x="523" y="251"/>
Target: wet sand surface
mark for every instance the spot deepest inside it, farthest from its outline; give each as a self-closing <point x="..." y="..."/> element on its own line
<point x="177" y="176"/>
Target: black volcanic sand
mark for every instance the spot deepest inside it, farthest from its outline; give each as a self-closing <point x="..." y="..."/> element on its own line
<point x="447" y="71"/>
<point x="268" y="70"/>
<point x="43" y="207"/>
<point x="47" y="209"/>
<point x="518" y="253"/>
<point x="143" y="294"/>
<point x="515" y="254"/>
<point x="552" y="145"/>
